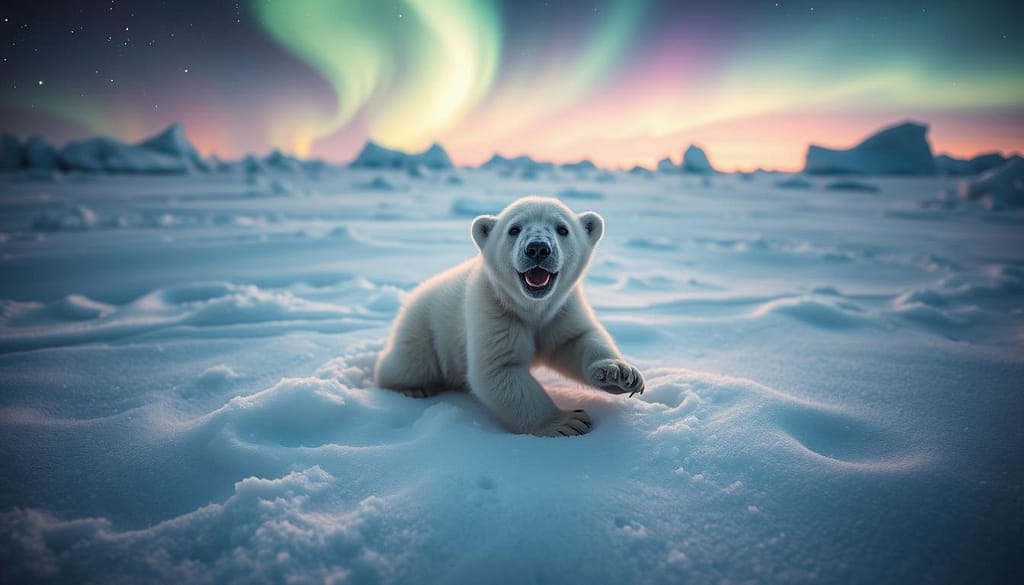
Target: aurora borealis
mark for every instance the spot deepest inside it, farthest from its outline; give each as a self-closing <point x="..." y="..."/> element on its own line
<point x="621" y="82"/>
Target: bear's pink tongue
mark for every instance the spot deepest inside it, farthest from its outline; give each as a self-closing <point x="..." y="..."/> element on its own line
<point x="537" y="277"/>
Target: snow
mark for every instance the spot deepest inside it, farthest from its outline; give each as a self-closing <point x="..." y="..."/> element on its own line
<point x="897" y="150"/>
<point x="833" y="386"/>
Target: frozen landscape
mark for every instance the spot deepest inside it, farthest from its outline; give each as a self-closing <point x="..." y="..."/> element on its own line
<point x="833" y="368"/>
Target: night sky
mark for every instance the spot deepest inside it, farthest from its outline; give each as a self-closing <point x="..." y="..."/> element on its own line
<point x="621" y="82"/>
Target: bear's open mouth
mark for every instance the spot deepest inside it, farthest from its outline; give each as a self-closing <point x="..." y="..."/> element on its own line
<point x="537" y="281"/>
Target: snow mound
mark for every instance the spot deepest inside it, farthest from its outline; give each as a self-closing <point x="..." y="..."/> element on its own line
<point x="1000" y="187"/>
<point x="695" y="160"/>
<point x="794" y="182"/>
<point x="375" y="156"/>
<point x="815" y="312"/>
<point x="897" y="150"/>
<point x="852" y="186"/>
<point x="377" y="184"/>
<point x="217" y="375"/>
<point x="78" y="217"/>
<point x="219" y="308"/>
<point x="268" y="530"/>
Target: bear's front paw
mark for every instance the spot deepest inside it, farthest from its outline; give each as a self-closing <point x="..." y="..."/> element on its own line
<point x="616" y="377"/>
<point x="568" y="424"/>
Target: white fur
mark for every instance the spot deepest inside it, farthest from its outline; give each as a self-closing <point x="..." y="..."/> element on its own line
<point x="475" y="327"/>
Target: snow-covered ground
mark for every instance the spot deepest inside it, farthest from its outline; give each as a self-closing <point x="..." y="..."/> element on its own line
<point x="834" y="386"/>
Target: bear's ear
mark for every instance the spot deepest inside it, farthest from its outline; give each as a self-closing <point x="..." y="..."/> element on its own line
<point x="593" y="224"/>
<point x="482" y="227"/>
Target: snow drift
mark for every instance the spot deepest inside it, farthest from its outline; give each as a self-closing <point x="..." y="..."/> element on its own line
<point x="1002" y="186"/>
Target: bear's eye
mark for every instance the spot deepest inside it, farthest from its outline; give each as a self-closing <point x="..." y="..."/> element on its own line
<point x="562" y="230"/>
<point x="513" y="231"/>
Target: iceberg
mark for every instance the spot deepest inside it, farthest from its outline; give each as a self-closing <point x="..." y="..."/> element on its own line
<point x="896" y="150"/>
<point x="10" y="152"/>
<point x="375" y="156"/>
<point x="40" y="155"/>
<point x="173" y="143"/>
<point x="695" y="160"/>
<point x="169" y="152"/>
<point x="666" y="165"/>
<point x="582" y="166"/>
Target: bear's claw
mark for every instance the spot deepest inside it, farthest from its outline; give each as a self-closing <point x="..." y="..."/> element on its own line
<point x="617" y="377"/>
<point x="571" y="424"/>
<point x="418" y="392"/>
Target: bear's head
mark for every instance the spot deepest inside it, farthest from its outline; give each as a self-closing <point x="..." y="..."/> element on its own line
<point x="537" y="248"/>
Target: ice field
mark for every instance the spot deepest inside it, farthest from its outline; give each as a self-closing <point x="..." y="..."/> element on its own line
<point x="835" y="385"/>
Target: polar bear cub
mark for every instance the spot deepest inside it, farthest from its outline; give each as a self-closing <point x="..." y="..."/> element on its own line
<point x="482" y="324"/>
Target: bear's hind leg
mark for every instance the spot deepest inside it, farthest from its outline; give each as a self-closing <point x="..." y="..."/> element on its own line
<point x="405" y="370"/>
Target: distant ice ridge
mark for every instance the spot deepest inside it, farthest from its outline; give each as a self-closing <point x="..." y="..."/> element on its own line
<point x="166" y="153"/>
<point x="948" y="165"/>
<point x="375" y="156"/>
<point x="582" y="166"/>
<point x="897" y="150"/>
<point x="521" y="166"/>
<point x="169" y="152"/>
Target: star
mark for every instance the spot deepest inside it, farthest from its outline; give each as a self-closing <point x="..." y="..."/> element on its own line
<point x="40" y="82"/>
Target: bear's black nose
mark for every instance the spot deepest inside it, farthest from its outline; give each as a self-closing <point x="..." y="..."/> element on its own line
<point x="538" y="250"/>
